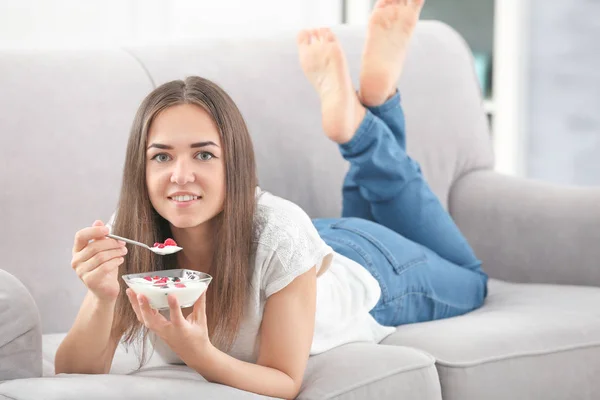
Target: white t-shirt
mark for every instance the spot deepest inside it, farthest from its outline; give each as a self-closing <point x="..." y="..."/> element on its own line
<point x="287" y="245"/>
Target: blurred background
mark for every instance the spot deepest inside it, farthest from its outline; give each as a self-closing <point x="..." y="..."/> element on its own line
<point x="537" y="61"/>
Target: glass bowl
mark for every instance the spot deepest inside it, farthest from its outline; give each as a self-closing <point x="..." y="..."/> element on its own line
<point x="186" y="284"/>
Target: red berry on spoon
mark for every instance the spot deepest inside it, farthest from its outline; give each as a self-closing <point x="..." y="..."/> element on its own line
<point x="170" y="242"/>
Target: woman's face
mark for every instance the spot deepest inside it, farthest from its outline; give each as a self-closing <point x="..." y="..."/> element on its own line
<point x="185" y="171"/>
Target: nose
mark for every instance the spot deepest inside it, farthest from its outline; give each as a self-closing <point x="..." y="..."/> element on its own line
<point x="183" y="173"/>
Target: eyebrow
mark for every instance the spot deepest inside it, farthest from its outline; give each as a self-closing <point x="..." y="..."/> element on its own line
<point x="193" y="145"/>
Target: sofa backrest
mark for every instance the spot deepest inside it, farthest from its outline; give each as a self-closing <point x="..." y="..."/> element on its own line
<point x="65" y="119"/>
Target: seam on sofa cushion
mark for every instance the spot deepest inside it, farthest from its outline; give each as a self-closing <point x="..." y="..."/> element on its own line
<point x="141" y="64"/>
<point x="18" y="337"/>
<point x="449" y="364"/>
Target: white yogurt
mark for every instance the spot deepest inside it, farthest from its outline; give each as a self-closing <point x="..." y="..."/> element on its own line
<point x="187" y="289"/>
<point x="166" y="250"/>
<point x="157" y="296"/>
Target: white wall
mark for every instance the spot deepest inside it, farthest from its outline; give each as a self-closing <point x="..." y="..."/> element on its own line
<point x="105" y="22"/>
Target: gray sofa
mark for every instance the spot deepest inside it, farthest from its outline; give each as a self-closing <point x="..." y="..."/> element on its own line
<point x="64" y="121"/>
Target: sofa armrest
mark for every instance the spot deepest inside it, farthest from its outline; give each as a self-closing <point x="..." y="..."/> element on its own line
<point x="529" y="231"/>
<point x="20" y="331"/>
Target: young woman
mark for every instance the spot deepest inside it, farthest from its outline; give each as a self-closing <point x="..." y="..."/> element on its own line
<point x="284" y="287"/>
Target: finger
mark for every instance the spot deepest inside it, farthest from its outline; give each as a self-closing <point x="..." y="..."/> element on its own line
<point x="134" y="303"/>
<point x="199" y="309"/>
<point x="95" y="247"/>
<point x="83" y="237"/>
<point x="150" y="316"/>
<point x="97" y="260"/>
<point x="175" y="311"/>
<point x="91" y="278"/>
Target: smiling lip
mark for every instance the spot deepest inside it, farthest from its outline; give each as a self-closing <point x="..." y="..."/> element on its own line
<point x="184" y="204"/>
<point x="183" y="194"/>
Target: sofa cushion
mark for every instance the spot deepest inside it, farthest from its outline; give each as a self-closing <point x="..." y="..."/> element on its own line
<point x="371" y="371"/>
<point x="526" y="342"/>
<point x="20" y="331"/>
<point x="354" y="371"/>
<point x="103" y="387"/>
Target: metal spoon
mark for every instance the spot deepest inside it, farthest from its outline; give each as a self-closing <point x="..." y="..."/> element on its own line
<point x="163" y="252"/>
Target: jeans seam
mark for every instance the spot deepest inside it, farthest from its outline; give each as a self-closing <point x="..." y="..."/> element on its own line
<point x="359" y="136"/>
<point x="384" y="109"/>
<point x="461" y="307"/>
<point x="372" y="270"/>
<point x="404" y="267"/>
<point x="391" y="103"/>
<point x="393" y="196"/>
<point x="391" y="259"/>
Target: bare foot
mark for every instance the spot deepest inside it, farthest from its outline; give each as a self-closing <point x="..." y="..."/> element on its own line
<point x="325" y="66"/>
<point x="391" y="26"/>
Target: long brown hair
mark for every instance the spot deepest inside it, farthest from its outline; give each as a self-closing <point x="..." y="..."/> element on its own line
<point x="136" y="217"/>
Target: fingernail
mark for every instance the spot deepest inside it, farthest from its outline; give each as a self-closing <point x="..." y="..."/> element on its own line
<point x="122" y="243"/>
<point x="105" y="229"/>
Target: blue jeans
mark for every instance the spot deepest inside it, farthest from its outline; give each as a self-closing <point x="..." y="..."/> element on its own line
<point x="394" y="226"/>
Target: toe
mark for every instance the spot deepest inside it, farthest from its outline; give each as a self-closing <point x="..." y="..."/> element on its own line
<point x="417" y="3"/>
<point x="317" y="34"/>
<point x="327" y="35"/>
<point x="303" y="37"/>
<point x="331" y="37"/>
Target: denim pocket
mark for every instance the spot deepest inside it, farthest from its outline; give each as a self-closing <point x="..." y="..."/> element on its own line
<point x="383" y="252"/>
<point x="399" y="252"/>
